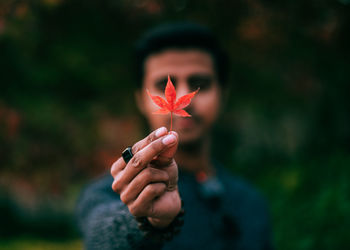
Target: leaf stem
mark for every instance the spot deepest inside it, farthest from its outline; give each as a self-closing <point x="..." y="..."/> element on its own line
<point x="171" y="121"/>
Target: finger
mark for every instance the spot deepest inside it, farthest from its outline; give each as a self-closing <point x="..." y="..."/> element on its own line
<point x="145" y="177"/>
<point x="148" y="139"/>
<point x="170" y="167"/>
<point x="143" y="205"/>
<point x="117" y="166"/>
<point x="118" y="185"/>
<point x="145" y="156"/>
<point x="120" y="163"/>
<point x="161" y="161"/>
<point x="170" y="151"/>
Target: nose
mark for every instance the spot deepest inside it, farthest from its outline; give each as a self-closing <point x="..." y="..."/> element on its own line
<point x="182" y="88"/>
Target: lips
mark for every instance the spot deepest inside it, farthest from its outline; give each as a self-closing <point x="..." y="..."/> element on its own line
<point x="187" y="123"/>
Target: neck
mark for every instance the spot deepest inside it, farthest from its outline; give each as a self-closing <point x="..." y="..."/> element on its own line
<point x="194" y="157"/>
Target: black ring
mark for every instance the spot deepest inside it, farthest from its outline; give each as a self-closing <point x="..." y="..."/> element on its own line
<point x="127" y="154"/>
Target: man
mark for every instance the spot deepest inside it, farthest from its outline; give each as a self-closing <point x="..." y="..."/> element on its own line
<point x="140" y="205"/>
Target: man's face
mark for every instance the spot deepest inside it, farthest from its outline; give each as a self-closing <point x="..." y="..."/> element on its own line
<point x="189" y="70"/>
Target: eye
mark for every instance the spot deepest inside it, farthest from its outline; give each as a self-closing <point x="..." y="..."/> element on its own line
<point x="203" y="82"/>
<point x="161" y="83"/>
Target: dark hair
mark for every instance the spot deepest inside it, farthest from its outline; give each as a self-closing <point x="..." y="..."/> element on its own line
<point x="182" y="35"/>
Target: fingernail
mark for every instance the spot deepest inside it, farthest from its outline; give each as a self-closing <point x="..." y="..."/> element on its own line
<point x="169" y="139"/>
<point x="161" y="131"/>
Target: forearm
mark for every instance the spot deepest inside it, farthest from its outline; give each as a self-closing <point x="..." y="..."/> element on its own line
<point x="105" y="222"/>
<point x="111" y="226"/>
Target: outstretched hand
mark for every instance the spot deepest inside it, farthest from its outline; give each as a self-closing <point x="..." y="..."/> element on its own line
<point x="147" y="184"/>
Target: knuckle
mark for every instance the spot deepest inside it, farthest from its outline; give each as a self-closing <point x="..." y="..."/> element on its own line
<point x="154" y="171"/>
<point x="113" y="168"/>
<point x="151" y="189"/>
<point x="136" y="161"/>
<point x="154" y="175"/>
<point x="117" y="166"/>
<point x="166" y="176"/>
<point x="134" y="210"/>
<point x="162" y="189"/>
<point x="117" y="186"/>
<point x="151" y="173"/>
<point x="156" y="146"/>
<point x="147" y="175"/>
<point x="163" y="176"/>
<point x="136" y="148"/>
<point x="148" y="139"/>
<point x="160" y="175"/>
<point x="124" y="198"/>
<point x="168" y="161"/>
<point x="151" y="137"/>
<point x="156" y="189"/>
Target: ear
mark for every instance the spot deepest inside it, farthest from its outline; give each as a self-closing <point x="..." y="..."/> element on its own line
<point x="140" y="101"/>
<point x="225" y="93"/>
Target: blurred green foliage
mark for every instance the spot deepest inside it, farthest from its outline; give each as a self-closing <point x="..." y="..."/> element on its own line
<point x="34" y="244"/>
<point x="67" y="108"/>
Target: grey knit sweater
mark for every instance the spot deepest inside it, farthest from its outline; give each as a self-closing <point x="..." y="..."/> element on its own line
<point x="222" y="213"/>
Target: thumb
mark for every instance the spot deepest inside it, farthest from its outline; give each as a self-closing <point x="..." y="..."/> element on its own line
<point x="170" y="152"/>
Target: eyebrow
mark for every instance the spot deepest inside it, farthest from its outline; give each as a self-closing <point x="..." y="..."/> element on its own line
<point x="164" y="79"/>
<point x="201" y="75"/>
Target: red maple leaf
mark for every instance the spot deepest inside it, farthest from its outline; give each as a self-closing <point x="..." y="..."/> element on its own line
<point x="170" y="105"/>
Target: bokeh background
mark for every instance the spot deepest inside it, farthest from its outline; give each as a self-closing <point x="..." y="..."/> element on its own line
<point x="67" y="109"/>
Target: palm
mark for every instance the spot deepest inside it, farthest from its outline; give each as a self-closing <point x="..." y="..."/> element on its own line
<point x="163" y="207"/>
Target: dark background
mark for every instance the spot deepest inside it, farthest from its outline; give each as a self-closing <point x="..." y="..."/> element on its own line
<point x="67" y="109"/>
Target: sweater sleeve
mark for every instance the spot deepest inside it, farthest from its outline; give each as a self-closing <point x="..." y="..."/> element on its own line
<point x="105" y="222"/>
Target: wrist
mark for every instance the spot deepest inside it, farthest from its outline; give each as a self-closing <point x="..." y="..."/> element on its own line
<point x="159" y="223"/>
<point x="162" y="234"/>
<point x="163" y="222"/>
